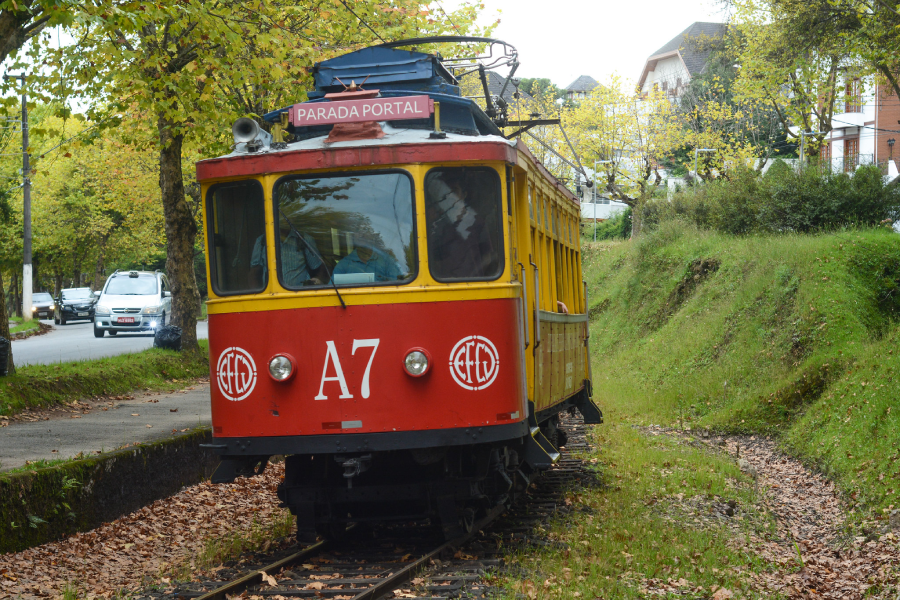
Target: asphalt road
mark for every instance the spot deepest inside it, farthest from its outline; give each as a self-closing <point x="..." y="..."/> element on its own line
<point x="76" y="341"/>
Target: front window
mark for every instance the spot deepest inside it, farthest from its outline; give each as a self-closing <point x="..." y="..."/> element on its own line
<point x="125" y="285"/>
<point x="465" y="227"/>
<point x="236" y="218"/>
<point x="77" y="294"/>
<point x="42" y="297"/>
<point x="354" y="229"/>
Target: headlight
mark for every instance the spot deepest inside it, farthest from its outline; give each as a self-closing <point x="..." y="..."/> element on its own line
<point x="281" y="367"/>
<point x="416" y="362"/>
<point x="101" y="310"/>
<point x="33" y="308"/>
<point x="150" y="310"/>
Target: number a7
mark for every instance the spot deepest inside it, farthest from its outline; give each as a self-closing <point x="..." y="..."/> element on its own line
<point x="331" y="355"/>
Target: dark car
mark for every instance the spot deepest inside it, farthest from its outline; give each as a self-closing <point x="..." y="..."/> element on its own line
<point x="74" y="304"/>
<point x="41" y="305"/>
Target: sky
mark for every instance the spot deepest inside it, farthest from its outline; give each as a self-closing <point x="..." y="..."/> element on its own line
<point x="563" y="39"/>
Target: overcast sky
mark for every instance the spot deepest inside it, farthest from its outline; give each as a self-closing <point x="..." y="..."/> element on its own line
<point x="563" y="39"/>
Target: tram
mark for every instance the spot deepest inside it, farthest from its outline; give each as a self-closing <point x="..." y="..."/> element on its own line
<point x="396" y="300"/>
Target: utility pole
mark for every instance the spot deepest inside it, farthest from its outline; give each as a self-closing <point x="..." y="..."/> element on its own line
<point x="26" y="211"/>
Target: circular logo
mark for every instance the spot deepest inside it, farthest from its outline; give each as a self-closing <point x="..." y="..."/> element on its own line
<point x="474" y="362"/>
<point x="236" y="373"/>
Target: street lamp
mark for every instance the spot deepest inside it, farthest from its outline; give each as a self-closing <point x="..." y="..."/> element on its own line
<point x="597" y="162"/>
<point x="891" y="148"/>
<point x="697" y="152"/>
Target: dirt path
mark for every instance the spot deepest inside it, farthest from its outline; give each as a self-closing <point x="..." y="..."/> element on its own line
<point x="813" y="553"/>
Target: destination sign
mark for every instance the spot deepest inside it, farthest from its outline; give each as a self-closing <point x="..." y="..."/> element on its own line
<point x="357" y="111"/>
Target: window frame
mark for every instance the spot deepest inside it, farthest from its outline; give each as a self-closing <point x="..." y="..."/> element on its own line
<point x="414" y="274"/>
<point x="501" y="217"/>
<point x="210" y="233"/>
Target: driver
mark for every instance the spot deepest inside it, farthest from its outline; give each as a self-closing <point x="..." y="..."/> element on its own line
<point x="367" y="259"/>
<point x="299" y="265"/>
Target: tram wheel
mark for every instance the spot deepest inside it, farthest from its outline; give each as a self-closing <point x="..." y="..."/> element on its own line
<point x="332" y="530"/>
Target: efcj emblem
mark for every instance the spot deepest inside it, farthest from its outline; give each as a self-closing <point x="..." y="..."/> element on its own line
<point x="236" y="373"/>
<point x="474" y="362"/>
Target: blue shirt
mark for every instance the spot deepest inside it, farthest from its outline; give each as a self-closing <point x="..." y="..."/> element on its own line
<point x="383" y="266"/>
<point x="296" y="259"/>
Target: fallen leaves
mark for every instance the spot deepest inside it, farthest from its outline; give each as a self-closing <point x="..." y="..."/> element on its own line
<point x="116" y="557"/>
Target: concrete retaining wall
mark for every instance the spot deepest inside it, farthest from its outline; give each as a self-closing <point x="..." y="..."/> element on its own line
<point x="49" y="504"/>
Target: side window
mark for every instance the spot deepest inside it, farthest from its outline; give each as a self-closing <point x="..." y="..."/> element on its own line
<point x="236" y="220"/>
<point x="465" y="227"/>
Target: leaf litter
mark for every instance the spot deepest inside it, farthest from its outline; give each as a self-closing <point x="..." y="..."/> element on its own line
<point x="139" y="548"/>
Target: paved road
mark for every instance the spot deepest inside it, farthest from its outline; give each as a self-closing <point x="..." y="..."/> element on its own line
<point x="76" y="341"/>
<point x="105" y="427"/>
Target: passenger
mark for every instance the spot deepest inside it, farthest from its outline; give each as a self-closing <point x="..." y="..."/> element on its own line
<point x="365" y="259"/>
<point x="299" y="263"/>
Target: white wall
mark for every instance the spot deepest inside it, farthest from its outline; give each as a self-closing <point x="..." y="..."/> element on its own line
<point x="668" y="69"/>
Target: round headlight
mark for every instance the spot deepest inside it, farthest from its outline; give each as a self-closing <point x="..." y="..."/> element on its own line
<point x="416" y="362"/>
<point x="281" y="367"/>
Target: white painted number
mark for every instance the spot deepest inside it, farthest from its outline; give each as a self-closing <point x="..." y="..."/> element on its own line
<point x="373" y="344"/>
<point x="331" y="355"/>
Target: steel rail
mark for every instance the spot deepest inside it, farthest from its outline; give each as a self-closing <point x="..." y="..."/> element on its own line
<point x="406" y="574"/>
<point x="242" y="583"/>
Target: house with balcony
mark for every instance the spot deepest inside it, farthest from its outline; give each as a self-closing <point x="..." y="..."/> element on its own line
<point x="863" y="127"/>
<point x="682" y="58"/>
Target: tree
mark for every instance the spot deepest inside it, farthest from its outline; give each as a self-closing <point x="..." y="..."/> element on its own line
<point x="801" y="84"/>
<point x="628" y="135"/>
<point x="181" y="72"/>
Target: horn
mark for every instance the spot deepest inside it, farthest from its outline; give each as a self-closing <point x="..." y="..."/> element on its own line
<point x="245" y="130"/>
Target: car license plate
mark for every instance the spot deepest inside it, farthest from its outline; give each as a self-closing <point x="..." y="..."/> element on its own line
<point x="82" y="314"/>
<point x="126" y="319"/>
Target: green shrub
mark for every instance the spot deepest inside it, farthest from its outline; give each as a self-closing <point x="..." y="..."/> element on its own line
<point x="616" y="228"/>
<point x="782" y="201"/>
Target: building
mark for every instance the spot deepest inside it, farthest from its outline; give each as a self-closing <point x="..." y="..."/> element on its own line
<point x="683" y="57"/>
<point x="864" y="127"/>
<point x="581" y="87"/>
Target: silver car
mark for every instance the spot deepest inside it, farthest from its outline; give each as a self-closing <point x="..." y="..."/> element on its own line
<point x="137" y="301"/>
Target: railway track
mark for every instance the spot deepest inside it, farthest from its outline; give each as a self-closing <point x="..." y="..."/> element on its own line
<point x="408" y="561"/>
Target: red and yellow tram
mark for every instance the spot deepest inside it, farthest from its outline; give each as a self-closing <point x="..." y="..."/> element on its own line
<point x="396" y="301"/>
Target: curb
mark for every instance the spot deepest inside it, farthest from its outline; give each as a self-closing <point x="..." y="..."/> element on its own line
<point x="49" y="504"/>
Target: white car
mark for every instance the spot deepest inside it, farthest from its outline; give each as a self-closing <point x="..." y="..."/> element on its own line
<point x="138" y="301"/>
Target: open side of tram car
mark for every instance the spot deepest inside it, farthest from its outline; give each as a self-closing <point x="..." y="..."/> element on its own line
<point x="385" y="301"/>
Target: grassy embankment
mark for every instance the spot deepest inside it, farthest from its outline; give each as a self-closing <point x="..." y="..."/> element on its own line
<point x="792" y="336"/>
<point x="43" y="386"/>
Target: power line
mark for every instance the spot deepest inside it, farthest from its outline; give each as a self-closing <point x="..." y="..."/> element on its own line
<point x="448" y="17"/>
<point x="363" y="22"/>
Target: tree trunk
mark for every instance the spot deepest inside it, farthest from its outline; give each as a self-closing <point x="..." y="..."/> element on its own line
<point x="636" y="220"/>
<point x="57" y="284"/>
<point x="181" y="232"/>
<point x="17" y="298"/>
<point x="99" y="278"/>
<point x="4" y="327"/>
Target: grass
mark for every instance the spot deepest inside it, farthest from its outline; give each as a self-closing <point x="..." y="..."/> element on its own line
<point x="792" y="336"/>
<point x="638" y="529"/>
<point x="23" y="325"/>
<point x="44" y="386"/>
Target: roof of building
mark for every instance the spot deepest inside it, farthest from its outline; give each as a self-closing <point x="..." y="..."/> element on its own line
<point x="495" y="84"/>
<point x="689" y="43"/>
<point x="585" y="83"/>
<point x="691" y="46"/>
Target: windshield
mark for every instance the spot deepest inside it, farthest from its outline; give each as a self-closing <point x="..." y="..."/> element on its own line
<point x="42" y="297"/>
<point x="356" y="228"/>
<point x="76" y="294"/>
<point x="123" y="285"/>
